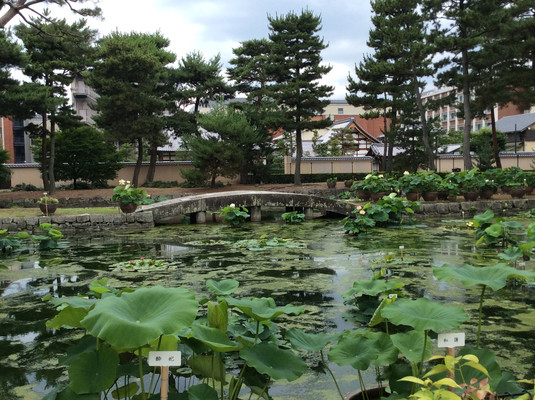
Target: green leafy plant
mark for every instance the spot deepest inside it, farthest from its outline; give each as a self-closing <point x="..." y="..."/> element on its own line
<point x="332" y="179"/>
<point x="293" y="217"/>
<point x="235" y="343"/>
<point x="496" y="232"/>
<point x="233" y="215"/>
<point x="375" y="183"/>
<point x="388" y="210"/>
<point x="45" y="199"/>
<point x="126" y="193"/>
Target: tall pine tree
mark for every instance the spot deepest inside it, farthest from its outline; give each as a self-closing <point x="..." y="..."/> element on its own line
<point x="296" y="69"/>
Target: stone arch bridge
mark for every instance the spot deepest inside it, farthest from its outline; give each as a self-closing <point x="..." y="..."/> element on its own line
<point x="198" y="205"/>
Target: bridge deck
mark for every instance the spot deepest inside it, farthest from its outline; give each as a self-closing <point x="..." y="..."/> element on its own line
<point x="216" y="201"/>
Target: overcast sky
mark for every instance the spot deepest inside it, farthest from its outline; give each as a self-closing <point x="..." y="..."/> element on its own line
<point x="218" y="26"/>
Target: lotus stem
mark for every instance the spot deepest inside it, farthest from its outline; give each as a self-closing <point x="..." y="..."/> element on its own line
<point x="423" y="353"/>
<point x="332" y="375"/>
<point x="141" y="373"/>
<point x="236" y="388"/>
<point x="362" y="386"/>
<point x="480" y="315"/>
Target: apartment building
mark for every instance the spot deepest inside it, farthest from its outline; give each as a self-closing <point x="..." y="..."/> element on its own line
<point x="448" y="115"/>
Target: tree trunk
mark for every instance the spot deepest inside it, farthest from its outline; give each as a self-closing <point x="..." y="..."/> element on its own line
<point x="139" y="161"/>
<point x="385" y="140"/>
<point x="466" y="100"/>
<point x="495" y="140"/>
<point x="423" y="121"/>
<point x="51" y="176"/>
<point x="44" y="151"/>
<point x="11" y="12"/>
<point x="152" y="164"/>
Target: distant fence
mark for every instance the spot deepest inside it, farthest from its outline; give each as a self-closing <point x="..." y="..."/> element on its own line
<point x="166" y="171"/>
<point x="352" y="165"/>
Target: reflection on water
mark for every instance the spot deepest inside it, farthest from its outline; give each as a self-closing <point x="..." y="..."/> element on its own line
<point x="313" y="277"/>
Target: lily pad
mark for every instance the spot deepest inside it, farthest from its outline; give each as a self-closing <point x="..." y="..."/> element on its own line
<point x="308" y="341"/>
<point x="137" y="318"/>
<point x="222" y="288"/>
<point x="263" y="308"/>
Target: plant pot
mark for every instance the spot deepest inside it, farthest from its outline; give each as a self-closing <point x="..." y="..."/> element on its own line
<point x="373" y="393"/>
<point x="486" y="194"/>
<point x="363" y="195"/>
<point x="348" y="184"/>
<point x="430" y="196"/>
<point x="529" y="189"/>
<point x="128" y="207"/>
<point x="471" y="196"/>
<point x="378" y="195"/>
<point x="452" y="197"/>
<point x="412" y="196"/>
<point x="505" y="189"/>
<point x="442" y="195"/>
<point x="48" y="208"/>
<point x="331" y="185"/>
<point x="517" y="193"/>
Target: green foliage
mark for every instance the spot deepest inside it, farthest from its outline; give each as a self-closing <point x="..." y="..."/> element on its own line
<point x="388" y="210"/>
<point x="495" y="232"/>
<point x="210" y="345"/>
<point x="126" y="193"/>
<point x="233" y="215"/>
<point x="47" y="199"/>
<point x="376" y="183"/>
<point x="293" y="217"/>
<point x="74" y="161"/>
<point x="22" y="241"/>
<point x="481" y="144"/>
<point x="296" y="71"/>
<point x="160" y="184"/>
<point x="24" y="187"/>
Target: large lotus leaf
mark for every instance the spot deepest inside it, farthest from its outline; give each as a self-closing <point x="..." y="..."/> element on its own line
<point x="514" y="225"/>
<point x="411" y="345"/>
<point x="94" y="371"/>
<point x="511" y="254"/>
<point x="423" y="314"/>
<point x="137" y="318"/>
<point x="68" y="317"/>
<point x="308" y="341"/>
<point x="75" y="302"/>
<point x="372" y="287"/>
<point x="358" y="352"/>
<point x="269" y="359"/>
<point x="208" y="367"/>
<point x="86" y="344"/>
<point x="387" y="353"/>
<point x="222" y="288"/>
<point x="202" y="392"/>
<point x="494" y="277"/>
<point x="495" y="230"/>
<point x="377" y="317"/>
<point x="263" y="308"/>
<point x="485" y="218"/>
<point x="214" y="338"/>
<point x="126" y="391"/>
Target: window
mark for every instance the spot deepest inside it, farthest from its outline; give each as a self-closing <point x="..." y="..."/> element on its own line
<point x="340" y="111"/>
<point x="479" y="126"/>
<point x="453" y="114"/>
<point x="460" y="98"/>
<point x="444" y="116"/>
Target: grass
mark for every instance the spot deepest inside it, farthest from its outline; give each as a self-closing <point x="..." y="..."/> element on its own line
<point x="35" y="212"/>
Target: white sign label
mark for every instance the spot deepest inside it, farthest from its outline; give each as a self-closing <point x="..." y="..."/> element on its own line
<point x="164" y="358"/>
<point x="451" y="339"/>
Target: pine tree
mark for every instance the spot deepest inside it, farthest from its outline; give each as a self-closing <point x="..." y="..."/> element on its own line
<point x="130" y="78"/>
<point x="295" y="65"/>
<point x="56" y="52"/>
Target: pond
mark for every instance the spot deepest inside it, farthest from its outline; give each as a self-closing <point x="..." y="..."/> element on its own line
<point x="313" y="275"/>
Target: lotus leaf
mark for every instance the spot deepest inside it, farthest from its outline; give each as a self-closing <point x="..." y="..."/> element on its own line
<point x="68" y="317"/>
<point x="269" y="359"/>
<point x="263" y="308"/>
<point x="137" y="318"/>
<point x="494" y="277"/>
<point x="214" y="338"/>
<point x="423" y="314"/>
<point x="126" y="391"/>
<point x="308" y="341"/>
<point x="372" y="287"/>
<point x="511" y="254"/>
<point x="222" y="288"/>
<point x="202" y="392"/>
<point x="358" y="352"/>
<point x="411" y="345"/>
<point x="93" y="371"/>
<point x="218" y="315"/>
<point x="208" y="366"/>
<point x="495" y="230"/>
<point x="485" y="218"/>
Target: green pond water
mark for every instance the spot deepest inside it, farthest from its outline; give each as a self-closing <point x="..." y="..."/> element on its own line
<point x="313" y="276"/>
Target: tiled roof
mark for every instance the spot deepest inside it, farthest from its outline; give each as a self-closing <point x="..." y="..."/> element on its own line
<point x="515" y="123"/>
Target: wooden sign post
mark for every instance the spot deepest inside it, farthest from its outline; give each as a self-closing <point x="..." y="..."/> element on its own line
<point x="450" y="341"/>
<point x="164" y="360"/>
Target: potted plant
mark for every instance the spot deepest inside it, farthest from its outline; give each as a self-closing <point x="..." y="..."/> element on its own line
<point x="129" y="197"/>
<point x="47" y="204"/>
<point x="469" y="184"/>
<point x="362" y="191"/>
<point x="348" y="183"/>
<point x="430" y="183"/>
<point x="411" y="184"/>
<point x="487" y="187"/>
<point x="379" y="186"/>
<point x="449" y="188"/>
<point x="331" y="182"/>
